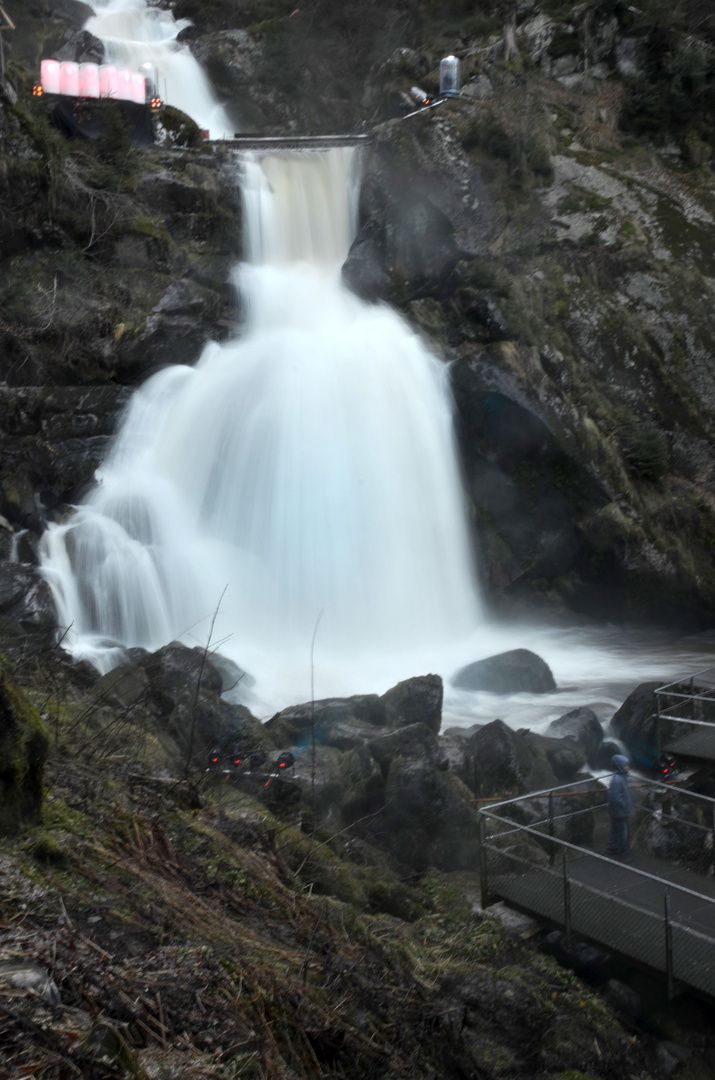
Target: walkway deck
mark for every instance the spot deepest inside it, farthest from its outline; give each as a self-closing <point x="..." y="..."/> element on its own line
<point x="697" y="746"/>
<point x="619" y="909"/>
<point x="293" y="142"/>
<point x="542" y="852"/>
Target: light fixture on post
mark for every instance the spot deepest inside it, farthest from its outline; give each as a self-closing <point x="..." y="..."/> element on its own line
<point x="449" y="77"/>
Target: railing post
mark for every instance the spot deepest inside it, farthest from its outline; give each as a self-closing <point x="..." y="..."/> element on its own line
<point x="713" y="832"/>
<point x="551" y="826"/>
<point x="567" y="900"/>
<point x="657" y="724"/>
<point x="483" y="868"/>
<point x="669" y="948"/>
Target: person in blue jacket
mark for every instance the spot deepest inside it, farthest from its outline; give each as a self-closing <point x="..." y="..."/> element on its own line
<point x="620" y="807"/>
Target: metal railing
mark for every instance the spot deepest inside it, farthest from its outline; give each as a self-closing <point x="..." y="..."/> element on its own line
<point x="544" y="853"/>
<point x="685" y="715"/>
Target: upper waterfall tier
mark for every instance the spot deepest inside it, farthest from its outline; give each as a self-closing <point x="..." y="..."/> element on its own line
<point x="134" y="34"/>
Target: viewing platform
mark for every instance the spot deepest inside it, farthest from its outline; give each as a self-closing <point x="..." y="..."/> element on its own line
<point x="543" y="853"/>
<point x="685" y="712"/>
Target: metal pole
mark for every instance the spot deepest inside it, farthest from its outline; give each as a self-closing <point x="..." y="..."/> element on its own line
<point x="713" y="832"/>
<point x="669" y="948"/>
<point x="567" y="902"/>
<point x="483" y="869"/>
<point x="657" y="725"/>
<point x="551" y="826"/>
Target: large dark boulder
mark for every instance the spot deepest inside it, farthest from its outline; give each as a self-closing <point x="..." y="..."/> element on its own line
<point x="23" y="752"/>
<point x="363" y="784"/>
<point x="340" y="722"/>
<point x="415" y="740"/>
<point x="25" y="597"/>
<point x="564" y="756"/>
<point x="583" y="726"/>
<point x="174" y="669"/>
<point x="513" y="672"/>
<point x="174" y="694"/>
<point x="606" y="751"/>
<point x="196" y="724"/>
<point x="500" y="762"/>
<point x="28" y="619"/>
<point x="635" y="723"/>
<point x="349" y="722"/>
<point x="82" y="47"/>
<point x="415" y="701"/>
<point x="428" y="819"/>
<point x="408" y="253"/>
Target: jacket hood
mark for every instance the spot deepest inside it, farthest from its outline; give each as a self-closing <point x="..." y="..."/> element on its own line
<point x="620" y="762"/>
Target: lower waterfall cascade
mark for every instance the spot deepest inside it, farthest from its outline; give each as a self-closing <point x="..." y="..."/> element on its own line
<point x="307" y="467"/>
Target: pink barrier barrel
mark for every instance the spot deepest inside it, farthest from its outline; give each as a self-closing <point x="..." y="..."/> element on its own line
<point x="89" y="80"/>
<point x="125" y="85"/>
<point x="138" y="89"/>
<point x="69" y="78"/>
<point x="108" y="81"/>
<point x="50" y="76"/>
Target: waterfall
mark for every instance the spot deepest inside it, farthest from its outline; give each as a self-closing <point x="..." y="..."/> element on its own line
<point x="307" y="467"/>
<point x="133" y="34"/>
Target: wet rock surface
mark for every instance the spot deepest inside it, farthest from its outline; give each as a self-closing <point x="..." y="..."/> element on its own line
<point x="513" y="672"/>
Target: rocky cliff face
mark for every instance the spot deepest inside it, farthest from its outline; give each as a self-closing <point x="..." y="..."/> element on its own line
<point x="551" y="232"/>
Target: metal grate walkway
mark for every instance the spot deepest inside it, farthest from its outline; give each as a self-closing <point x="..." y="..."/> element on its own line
<point x="655" y="906"/>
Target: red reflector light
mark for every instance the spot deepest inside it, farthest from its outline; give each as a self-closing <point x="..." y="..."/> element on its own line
<point x="214" y="759"/>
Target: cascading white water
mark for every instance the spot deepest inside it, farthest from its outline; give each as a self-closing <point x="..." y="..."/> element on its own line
<point x="308" y="467"/>
<point x="134" y="34"/>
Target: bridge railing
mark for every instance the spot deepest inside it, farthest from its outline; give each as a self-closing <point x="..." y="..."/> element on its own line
<point x="685" y="711"/>
<point x="545" y="852"/>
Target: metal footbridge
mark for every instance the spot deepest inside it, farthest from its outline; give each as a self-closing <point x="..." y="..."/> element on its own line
<point x="293" y="142"/>
<point x="685" y="717"/>
<point x="543" y="853"/>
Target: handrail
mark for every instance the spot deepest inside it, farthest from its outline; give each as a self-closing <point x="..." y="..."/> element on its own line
<point x="597" y="780"/>
<point x="685" y="678"/>
<point x="597" y="855"/>
<point x="686" y="720"/>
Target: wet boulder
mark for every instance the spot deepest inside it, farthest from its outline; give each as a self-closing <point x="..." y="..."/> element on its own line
<point x="175" y="669"/>
<point x="340" y="722"/>
<point x="363" y="784"/>
<point x="198" y="723"/>
<point x="81" y="47"/>
<point x="23" y="752"/>
<point x="349" y="722"/>
<point x="582" y="726"/>
<point x="635" y="723"/>
<point x="500" y="762"/>
<point x="453" y="747"/>
<point x="564" y="756"/>
<point x="605" y="752"/>
<point x="319" y="775"/>
<point x="428" y="819"/>
<point x="25" y="597"/>
<point x="408" y="253"/>
<point x="415" y="740"/>
<point x="28" y="619"/>
<point x="513" y="672"/>
<point x="415" y="701"/>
